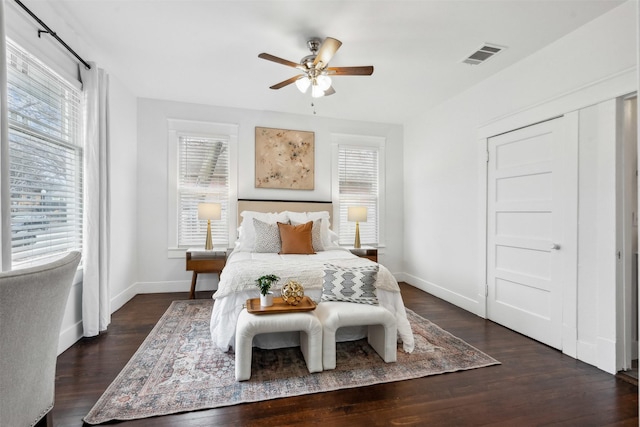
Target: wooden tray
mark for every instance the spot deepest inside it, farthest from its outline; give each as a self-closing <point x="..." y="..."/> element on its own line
<point x="280" y="306"/>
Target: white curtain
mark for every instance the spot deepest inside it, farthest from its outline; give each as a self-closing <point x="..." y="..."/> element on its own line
<point x="96" y="309"/>
<point x="5" y="202"/>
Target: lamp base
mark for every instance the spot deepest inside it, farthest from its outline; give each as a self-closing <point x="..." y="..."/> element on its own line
<point x="356" y="244"/>
<point x="208" y="244"/>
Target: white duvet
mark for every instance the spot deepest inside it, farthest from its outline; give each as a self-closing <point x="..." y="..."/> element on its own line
<point x="237" y="284"/>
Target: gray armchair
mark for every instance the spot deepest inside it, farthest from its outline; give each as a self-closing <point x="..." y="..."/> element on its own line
<point x="32" y="304"/>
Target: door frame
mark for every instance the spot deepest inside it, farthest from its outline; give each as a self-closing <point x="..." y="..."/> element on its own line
<point x="628" y="345"/>
<point x="566" y="104"/>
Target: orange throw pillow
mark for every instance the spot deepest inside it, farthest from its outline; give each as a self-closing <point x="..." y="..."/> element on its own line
<point x="296" y="239"/>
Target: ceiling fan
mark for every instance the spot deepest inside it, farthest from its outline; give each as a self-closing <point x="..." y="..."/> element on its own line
<point x="315" y="68"/>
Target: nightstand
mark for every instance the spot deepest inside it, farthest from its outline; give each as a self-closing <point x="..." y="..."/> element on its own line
<point x="203" y="261"/>
<point x="368" y="252"/>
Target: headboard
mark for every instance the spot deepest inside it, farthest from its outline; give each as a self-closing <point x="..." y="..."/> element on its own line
<point x="283" y="205"/>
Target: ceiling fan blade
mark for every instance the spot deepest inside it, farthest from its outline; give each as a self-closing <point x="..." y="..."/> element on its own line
<point x="285" y="83"/>
<point x="328" y="48"/>
<point x="329" y="91"/>
<point x="269" y="57"/>
<point x="351" y="71"/>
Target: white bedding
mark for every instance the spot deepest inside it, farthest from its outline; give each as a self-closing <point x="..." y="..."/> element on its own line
<point x="237" y="284"/>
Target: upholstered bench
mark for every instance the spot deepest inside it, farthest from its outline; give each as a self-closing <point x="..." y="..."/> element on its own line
<point x="382" y="329"/>
<point x="250" y="325"/>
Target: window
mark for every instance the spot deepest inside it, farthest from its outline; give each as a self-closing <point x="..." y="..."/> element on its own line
<point x="202" y="168"/>
<point x="46" y="160"/>
<point x="203" y="177"/>
<point x="358" y="183"/>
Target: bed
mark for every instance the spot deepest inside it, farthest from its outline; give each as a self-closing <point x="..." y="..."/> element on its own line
<point x="259" y="251"/>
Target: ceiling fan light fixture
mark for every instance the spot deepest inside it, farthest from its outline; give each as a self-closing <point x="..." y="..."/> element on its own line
<point x="324" y="82"/>
<point x="317" y="91"/>
<point x="303" y="84"/>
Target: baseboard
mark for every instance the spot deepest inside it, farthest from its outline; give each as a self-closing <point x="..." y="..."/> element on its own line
<point x="569" y="341"/>
<point x="400" y="277"/>
<point x="606" y="349"/>
<point x="69" y="336"/>
<point x="71" y="326"/>
<point x="122" y="298"/>
<point x="441" y="292"/>
<point x="587" y="353"/>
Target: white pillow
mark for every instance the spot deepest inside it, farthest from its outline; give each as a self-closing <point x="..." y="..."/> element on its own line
<point x="302" y="217"/>
<point x="334" y="240"/>
<point x="247" y="233"/>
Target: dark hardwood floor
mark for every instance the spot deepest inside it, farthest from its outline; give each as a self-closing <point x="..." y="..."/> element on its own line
<point x="534" y="385"/>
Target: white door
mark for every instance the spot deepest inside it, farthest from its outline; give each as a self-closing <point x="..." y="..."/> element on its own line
<point x="524" y="231"/>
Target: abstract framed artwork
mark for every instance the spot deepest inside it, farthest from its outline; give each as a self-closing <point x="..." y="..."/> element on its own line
<point x="285" y="159"/>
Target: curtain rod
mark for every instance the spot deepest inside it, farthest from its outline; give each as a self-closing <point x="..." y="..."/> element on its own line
<point x="50" y="31"/>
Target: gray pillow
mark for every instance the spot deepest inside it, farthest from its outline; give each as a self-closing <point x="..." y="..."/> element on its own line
<point x="316" y="234"/>
<point x="267" y="237"/>
<point x="350" y="284"/>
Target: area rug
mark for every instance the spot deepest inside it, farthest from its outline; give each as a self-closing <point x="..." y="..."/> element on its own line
<point x="178" y="369"/>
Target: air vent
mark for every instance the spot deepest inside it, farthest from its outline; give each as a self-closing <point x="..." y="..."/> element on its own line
<point x="485" y="52"/>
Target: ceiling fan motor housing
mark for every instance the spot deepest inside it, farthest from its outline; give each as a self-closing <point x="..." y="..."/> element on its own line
<point x="314" y="45"/>
<point x="307" y="61"/>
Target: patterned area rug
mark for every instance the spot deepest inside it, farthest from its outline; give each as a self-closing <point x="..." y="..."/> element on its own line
<point x="177" y="368"/>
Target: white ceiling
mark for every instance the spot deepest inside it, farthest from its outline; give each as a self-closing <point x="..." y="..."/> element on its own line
<point x="205" y="51"/>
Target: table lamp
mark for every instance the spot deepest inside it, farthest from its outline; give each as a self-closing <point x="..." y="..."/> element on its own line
<point x="357" y="214"/>
<point x="209" y="211"/>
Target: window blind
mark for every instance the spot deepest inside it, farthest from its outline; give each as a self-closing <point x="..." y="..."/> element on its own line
<point x="203" y="176"/>
<point x="358" y="186"/>
<point x="45" y="150"/>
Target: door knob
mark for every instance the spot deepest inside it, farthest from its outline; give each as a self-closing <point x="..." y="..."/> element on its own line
<point x="555" y="246"/>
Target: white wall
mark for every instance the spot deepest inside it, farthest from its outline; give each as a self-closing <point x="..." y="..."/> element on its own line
<point x="123" y="272"/>
<point x="443" y="182"/>
<point x="158" y="272"/>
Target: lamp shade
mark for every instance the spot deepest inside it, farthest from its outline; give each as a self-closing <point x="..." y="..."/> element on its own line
<point x="324" y="82"/>
<point x="209" y="211"/>
<point x="316" y="91"/>
<point x="303" y="84"/>
<point x="357" y="214"/>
